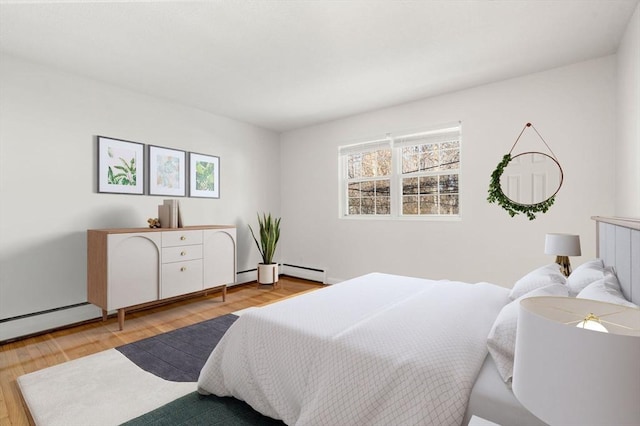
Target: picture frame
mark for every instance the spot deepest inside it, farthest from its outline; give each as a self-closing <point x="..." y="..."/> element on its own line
<point x="204" y="175"/>
<point x="120" y="166"/>
<point x="167" y="171"/>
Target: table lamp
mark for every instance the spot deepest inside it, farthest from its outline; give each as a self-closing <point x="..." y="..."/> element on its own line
<point x="567" y="373"/>
<point x="563" y="246"/>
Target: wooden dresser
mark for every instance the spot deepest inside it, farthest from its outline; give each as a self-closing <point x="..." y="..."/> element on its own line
<point x="135" y="267"/>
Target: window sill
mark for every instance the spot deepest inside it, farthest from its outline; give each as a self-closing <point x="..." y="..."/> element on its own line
<point x="452" y="218"/>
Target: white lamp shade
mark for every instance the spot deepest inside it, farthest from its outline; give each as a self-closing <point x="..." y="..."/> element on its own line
<point x="566" y="375"/>
<point x="562" y="245"/>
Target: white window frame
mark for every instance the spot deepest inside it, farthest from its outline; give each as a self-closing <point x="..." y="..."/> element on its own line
<point x="395" y="142"/>
<point x="362" y="148"/>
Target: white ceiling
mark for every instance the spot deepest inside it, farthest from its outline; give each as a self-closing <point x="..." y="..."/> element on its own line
<point x="288" y="64"/>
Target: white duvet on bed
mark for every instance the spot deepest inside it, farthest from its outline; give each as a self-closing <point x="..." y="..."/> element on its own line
<point x="378" y="349"/>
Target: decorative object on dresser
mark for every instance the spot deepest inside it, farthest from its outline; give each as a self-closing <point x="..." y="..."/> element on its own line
<point x="153" y="222"/>
<point x="269" y="236"/>
<point x="137" y="267"/>
<point x="167" y="171"/>
<point x="527" y="182"/>
<point x="566" y="374"/>
<point x="563" y="246"/>
<point x="120" y="166"/>
<point x="204" y="175"/>
<point x="170" y="215"/>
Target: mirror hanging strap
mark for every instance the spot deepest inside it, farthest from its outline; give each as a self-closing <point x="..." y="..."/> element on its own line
<point x="539" y="135"/>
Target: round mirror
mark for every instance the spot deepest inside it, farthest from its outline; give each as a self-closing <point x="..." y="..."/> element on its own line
<point x="531" y="178"/>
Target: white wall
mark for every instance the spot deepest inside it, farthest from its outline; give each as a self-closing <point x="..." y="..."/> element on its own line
<point x="572" y="107"/>
<point x="48" y="120"/>
<point x="628" y="137"/>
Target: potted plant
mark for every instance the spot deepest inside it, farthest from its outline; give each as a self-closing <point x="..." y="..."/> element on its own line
<point x="269" y="236"/>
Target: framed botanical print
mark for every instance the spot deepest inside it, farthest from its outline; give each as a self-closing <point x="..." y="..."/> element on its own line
<point x="204" y="176"/>
<point x="167" y="171"/>
<point x="120" y="166"/>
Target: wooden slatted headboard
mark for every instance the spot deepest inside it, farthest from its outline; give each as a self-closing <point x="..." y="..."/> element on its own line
<point x="618" y="245"/>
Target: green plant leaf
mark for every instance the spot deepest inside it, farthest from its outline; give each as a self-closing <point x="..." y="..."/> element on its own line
<point x="269" y="236"/>
<point x="497" y="196"/>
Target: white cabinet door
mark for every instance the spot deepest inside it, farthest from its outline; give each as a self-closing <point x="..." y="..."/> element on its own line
<point x="133" y="271"/>
<point x="219" y="257"/>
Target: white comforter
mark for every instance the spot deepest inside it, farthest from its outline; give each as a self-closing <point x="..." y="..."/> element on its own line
<point x="376" y="350"/>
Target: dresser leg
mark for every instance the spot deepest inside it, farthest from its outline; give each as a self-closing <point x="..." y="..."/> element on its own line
<point x="105" y="314"/>
<point x="224" y="293"/>
<point x="121" y="318"/>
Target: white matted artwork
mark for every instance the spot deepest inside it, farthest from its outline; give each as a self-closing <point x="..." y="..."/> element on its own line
<point x="167" y="171"/>
<point x="204" y="176"/>
<point x="120" y="166"/>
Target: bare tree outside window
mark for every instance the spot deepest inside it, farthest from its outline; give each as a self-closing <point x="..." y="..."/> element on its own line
<point x="368" y="187"/>
<point x="426" y="180"/>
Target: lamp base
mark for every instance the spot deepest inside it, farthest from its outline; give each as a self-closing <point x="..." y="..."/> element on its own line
<point x="565" y="265"/>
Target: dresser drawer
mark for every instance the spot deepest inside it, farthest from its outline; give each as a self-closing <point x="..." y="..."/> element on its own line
<point x="181" y="253"/>
<point x="181" y="278"/>
<point x="181" y="238"/>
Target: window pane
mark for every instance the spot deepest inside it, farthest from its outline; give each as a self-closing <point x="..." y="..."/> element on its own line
<point x="367" y="188"/>
<point x="382" y="188"/>
<point x="368" y="205"/>
<point x="410" y="159"/>
<point x="374" y="163"/>
<point x="448" y="184"/>
<point x="429" y="185"/>
<point x="354" y="189"/>
<point x="450" y="159"/>
<point x="384" y="162"/>
<point x="354" y="205"/>
<point x="369" y="164"/>
<point x="429" y="157"/>
<point x="409" y="186"/>
<point x="354" y="166"/>
<point x="428" y="204"/>
<point x="449" y="204"/>
<point x="410" y="204"/>
<point x="383" y="205"/>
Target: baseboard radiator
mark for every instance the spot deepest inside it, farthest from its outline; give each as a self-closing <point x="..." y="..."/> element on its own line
<point x="304" y="272"/>
<point x="48" y="320"/>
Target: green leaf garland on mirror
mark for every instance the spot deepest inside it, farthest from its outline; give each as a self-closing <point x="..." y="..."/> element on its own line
<point x="497" y="196"/>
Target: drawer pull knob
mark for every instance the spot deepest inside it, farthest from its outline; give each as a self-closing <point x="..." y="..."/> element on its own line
<point x="183" y="253"/>
<point x="183" y="238"/>
<point x="184" y="268"/>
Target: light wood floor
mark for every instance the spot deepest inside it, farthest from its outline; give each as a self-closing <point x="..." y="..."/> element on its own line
<point x="35" y="353"/>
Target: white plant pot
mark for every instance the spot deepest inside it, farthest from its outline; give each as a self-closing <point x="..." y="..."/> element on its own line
<point x="267" y="273"/>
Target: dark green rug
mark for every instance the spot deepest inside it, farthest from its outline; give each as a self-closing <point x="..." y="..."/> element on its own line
<point x="211" y="410"/>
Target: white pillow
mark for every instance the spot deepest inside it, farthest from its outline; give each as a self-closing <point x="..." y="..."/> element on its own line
<point x="584" y="275"/>
<point x="501" y="341"/>
<point x="538" y="278"/>
<point x="606" y="289"/>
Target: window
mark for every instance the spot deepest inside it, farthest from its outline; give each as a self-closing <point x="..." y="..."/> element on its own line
<point x="403" y="176"/>
<point x="369" y="180"/>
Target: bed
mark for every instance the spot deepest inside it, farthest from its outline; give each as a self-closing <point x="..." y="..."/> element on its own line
<point x="386" y="349"/>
